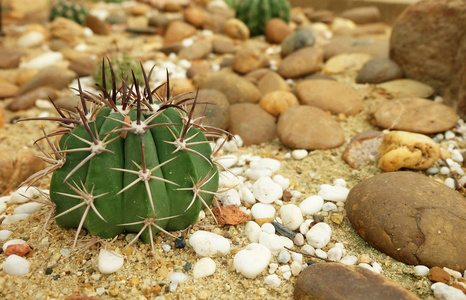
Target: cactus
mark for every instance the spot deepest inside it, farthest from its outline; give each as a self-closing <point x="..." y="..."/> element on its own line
<point x="130" y="161"/>
<point x="122" y="65"/>
<point x="71" y="10"/>
<point x="256" y="13"/>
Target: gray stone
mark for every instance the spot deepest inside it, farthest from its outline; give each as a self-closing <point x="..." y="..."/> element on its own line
<point x="379" y="70"/>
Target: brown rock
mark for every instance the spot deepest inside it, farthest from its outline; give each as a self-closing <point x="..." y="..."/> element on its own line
<point x="234" y="87"/>
<point x="415" y="115"/>
<point x="195" y="16"/>
<point x="362" y="14"/>
<point x="139" y="9"/>
<point x="67" y="30"/>
<point x="276" y="30"/>
<point x="345" y="44"/>
<point x="426" y="41"/>
<point x="370" y="29"/>
<point x="223" y="46"/>
<point x="16" y="165"/>
<point x="172" y="7"/>
<point x="251" y="123"/>
<point x="177" y="31"/>
<point x="256" y="75"/>
<point x="379" y="70"/>
<point x="277" y="102"/>
<point x="300" y="39"/>
<point x="213" y="107"/>
<point x="437" y="274"/>
<point x="236" y="29"/>
<point x="271" y="82"/>
<point x="198" y="69"/>
<point x="1" y="118"/>
<point x="68" y="102"/>
<point x="334" y="281"/>
<point x="301" y="63"/>
<point x="344" y="63"/>
<point x="407" y="88"/>
<point x="83" y="66"/>
<point x="54" y="77"/>
<point x="307" y="127"/>
<point x="198" y="50"/>
<point x="97" y="26"/>
<point x="181" y="86"/>
<point x="18" y="249"/>
<point x="28" y="99"/>
<point x="410" y="217"/>
<point x="10" y="58"/>
<point x="336" y="97"/>
<point x="322" y="15"/>
<point x="363" y="148"/>
<point x="248" y="59"/>
<point x="7" y="89"/>
<point x="401" y="149"/>
<point x="230" y="215"/>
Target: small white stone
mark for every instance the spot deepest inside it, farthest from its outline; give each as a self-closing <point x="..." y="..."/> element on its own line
<point x="31" y="39"/>
<point x="266" y="163"/>
<point x="207" y="243"/>
<point x="284" y="256"/>
<point x="42" y="61"/>
<point x="321" y="253"/>
<point x="329" y="206"/>
<point x="252" y="260"/>
<point x="272" y="280"/>
<point x="282" y="181"/>
<point x="201" y="215"/>
<point x="246" y="195"/>
<point x="272" y="242"/>
<point x="252" y="230"/>
<point x="2" y="207"/>
<point x="262" y="211"/>
<point x="255" y="174"/>
<point x="238" y="140"/>
<point x="456" y="155"/>
<point x="339" y="182"/>
<point x="16" y="265"/>
<point x="366" y="266"/>
<point x="65" y="252"/>
<point x="333" y="193"/>
<point x="296" y="194"/>
<point x="444" y="170"/>
<point x="266" y="191"/>
<point x="299" y="154"/>
<point x="377" y="267"/>
<point x="13" y="242"/>
<point x="28" y="208"/>
<point x="109" y="261"/>
<point x="230" y="197"/>
<point x="272" y="268"/>
<point x="421" y="270"/>
<point x="5" y="234"/>
<point x="268" y="228"/>
<point x="308" y="249"/>
<point x="443" y="291"/>
<point x="453" y="273"/>
<point x="204" y="267"/>
<point x="349" y="260"/>
<point x="319" y="235"/>
<point x="304" y="227"/>
<point x="15" y="218"/>
<point x="335" y="254"/>
<point x="296" y="268"/>
<point x="449" y="135"/>
<point x="298" y="257"/>
<point x="432" y="170"/>
<point x="311" y="205"/>
<point x="291" y="216"/>
<point x="450" y="182"/>
<point x="177" y="277"/>
<point x="227" y="161"/>
<point x="21" y="195"/>
<point x="166" y="247"/>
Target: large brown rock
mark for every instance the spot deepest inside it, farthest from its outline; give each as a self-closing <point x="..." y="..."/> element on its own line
<point x="213" y="107"/>
<point x="414" y="115"/>
<point x="54" y="77"/>
<point x="178" y="31"/>
<point x="308" y="127"/>
<point x="428" y="42"/>
<point x="301" y="63"/>
<point x="28" y="99"/>
<point x="334" y="281"/>
<point x="411" y="217"/>
<point x="248" y="59"/>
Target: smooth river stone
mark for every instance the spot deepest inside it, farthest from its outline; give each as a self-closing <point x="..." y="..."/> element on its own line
<point x="412" y="218"/>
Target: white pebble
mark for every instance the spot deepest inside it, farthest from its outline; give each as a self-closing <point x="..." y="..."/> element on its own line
<point x="296" y="194"/>
<point x="227" y="161"/>
<point x="349" y="260"/>
<point x="444" y="170"/>
<point x="166" y="247"/>
<point x="252" y="230"/>
<point x="42" y="61"/>
<point x="228" y="180"/>
<point x="201" y="215"/>
<point x="262" y="211"/>
<point x="15" y="218"/>
<point x="453" y="273"/>
<point x="272" y="280"/>
<point x="255" y="174"/>
<point x="449" y="135"/>
<point x="366" y="266"/>
<point x="299" y="154"/>
<point x="284" y="256"/>
<point x="333" y="193"/>
<point x="298" y="257"/>
<point x="2" y="207"/>
<point x="421" y="270"/>
<point x="432" y="170"/>
<point x="311" y="205"/>
<point x="339" y="182"/>
<point x="31" y="39"/>
<point x="177" y="277"/>
<point x="21" y="195"/>
<point x="304" y="227"/>
<point x="266" y="163"/>
<point x="16" y="265"/>
<point x="308" y="249"/>
<point x="268" y="228"/>
<point x="230" y="197"/>
<point x="109" y="261"/>
<point x="282" y="181"/>
<point x="207" y="243"/>
<point x="335" y="254"/>
<point x="296" y="268"/>
<point x="5" y="234"/>
<point x="329" y="206"/>
<point x="266" y="191"/>
<point x="443" y="291"/>
<point x="13" y="242"/>
<point x="450" y="182"/>
<point x="65" y="252"/>
<point x="319" y="235"/>
<point x="273" y="242"/>
<point x="252" y="260"/>
<point x="246" y="195"/>
<point x="272" y="268"/>
<point x="321" y="253"/>
<point x="286" y="275"/>
<point x="377" y="267"/>
<point x="28" y="208"/>
<point x="291" y="216"/>
<point x="204" y="267"/>
<point x="456" y="155"/>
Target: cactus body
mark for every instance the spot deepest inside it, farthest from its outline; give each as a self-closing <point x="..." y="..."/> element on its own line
<point x="71" y="10"/>
<point x="256" y="13"/>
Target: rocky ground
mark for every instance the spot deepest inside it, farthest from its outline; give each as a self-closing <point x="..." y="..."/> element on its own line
<point x="57" y="271"/>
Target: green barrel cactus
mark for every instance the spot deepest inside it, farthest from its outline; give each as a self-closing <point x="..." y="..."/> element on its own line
<point x="256" y="13"/>
<point x="131" y="160"/>
<point x="122" y="66"/>
<point x="75" y="11"/>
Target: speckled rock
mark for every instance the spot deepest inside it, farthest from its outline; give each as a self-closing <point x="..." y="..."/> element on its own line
<point x="379" y="70"/>
<point x="271" y="82"/>
<point x="332" y="281"/>
<point x="299" y="39"/>
<point x="363" y="148"/>
<point x="198" y="50"/>
<point x="301" y="63"/>
<point x="277" y="102"/>
<point x="276" y="30"/>
<point x="213" y="106"/>
<point x="429" y="228"/>
<point x="178" y="31"/>
<point x="336" y="97"/>
<point x="407" y="88"/>
<point x="414" y="115"/>
<point x="248" y="59"/>
<point x="251" y="123"/>
<point x="308" y="127"/>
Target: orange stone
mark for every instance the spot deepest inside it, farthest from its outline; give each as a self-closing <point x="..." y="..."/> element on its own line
<point x="277" y="102"/>
<point x="18" y="249"/>
<point x="230" y="215"/>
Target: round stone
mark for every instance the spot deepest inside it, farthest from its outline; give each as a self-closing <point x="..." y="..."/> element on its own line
<point x="236" y="29"/>
<point x="301" y="63"/>
<point x="428" y="230"/>
<point x="379" y="70"/>
<point x="252" y="260"/>
<point x="298" y="40"/>
<point x="277" y="102"/>
<point x="276" y="30"/>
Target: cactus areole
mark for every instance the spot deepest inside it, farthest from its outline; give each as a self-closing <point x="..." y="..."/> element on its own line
<point x="131" y="161"/>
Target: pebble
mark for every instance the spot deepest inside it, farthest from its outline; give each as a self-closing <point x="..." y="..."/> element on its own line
<point x="291" y="216"/>
<point x="204" y="267"/>
<point x="5" y="234"/>
<point x="321" y="254"/>
<point x="345" y="63"/>
<point x="272" y="280"/>
<point x="311" y="205"/>
<point x="252" y="230"/>
<point x="255" y="174"/>
<point x="23" y="195"/>
<point x="231" y="214"/>
<point x="28" y="208"/>
<point x="15" y="218"/>
<point x="18" y="249"/>
<point x="44" y="60"/>
<point x="274" y="242"/>
<point x="295" y="41"/>
<point x="228" y="180"/>
<point x="180" y="242"/>
<point x="177" y="31"/>
<point x="31" y="39"/>
<point x="296" y="268"/>
<point x="276" y="30"/>
<point x="379" y="70"/>
<point x="252" y="260"/>
<point x="401" y="88"/>
<point x="282" y="181"/>
<point x="335" y="254"/>
<point x="319" y="235"/>
<point x="266" y="163"/>
<point x="246" y="195"/>
<point x="52" y="76"/>
<point x="299" y="154"/>
<point x="349" y="260"/>
<point x="236" y="29"/>
<point x="207" y="243"/>
<point x="262" y="211"/>
<point x="284" y="257"/>
<point x="272" y="82"/>
<point x="266" y="191"/>
<point x="277" y="102"/>
<point x="283" y="230"/>
<point x="109" y="261"/>
<point x="227" y="161"/>
<point x="16" y="265"/>
<point x="299" y="239"/>
<point x="443" y="291"/>
<point x="333" y="193"/>
<point x="301" y="63"/>
<point x="230" y="197"/>
<point x="12" y="242"/>
<point x="268" y="228"/>
<point x="363" y="148"/>
<point x="329" y="206"/>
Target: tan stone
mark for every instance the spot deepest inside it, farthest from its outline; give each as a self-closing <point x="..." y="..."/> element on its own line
<point x="67" y="30"/>
<point x="178" y="31"/>
<point x="276" y="30"/>
<point x="195" y="16"/>
<point x="352" y="62"/>
<point x="236" y="29"/>
<point x="7" y="89"/>
<point x="277" y="102"/>
<point x="248" y="59"/>
<point x="401" y="149"/>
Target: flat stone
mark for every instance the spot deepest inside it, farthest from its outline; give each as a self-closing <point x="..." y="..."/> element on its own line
<point x="7" y="89"/>
<point x="10" y="58"/>
<point x="414" y="115"/>
<point x="236" y="29"/>
<point x="28" y="99"/>
<point x="334" y="281"/>
<point x="295" y="41"/>
<point x="195" y="16"/>
<point x="251" y="123"/>
<point x="363" y="148"/>
<point x="277" y="102"/>
<point x="198" y="50"/>
<point x="301" y="63"/>
<point x="271" y="82"/>
<point x="346" y="44"/>
<point x="407" y="88"/>
<point x="67" y="30"/>
<point x="83" y="66"/>
<point x="308" y="127"/>
<point x="362" y="14"/>
<point x="177" y="31"/>
<point x="223" y="46"/>
<point x="428" y="230"/>
<point x="379" y="70"/>
<point x="336" y="97"/>
<point x="54" y="77"/>
<point x="213" y="107"/>
<point x="438" y="274"/>
<point x="248" y="59"/>
<point x="345" y="62"/>
<point x="97" y="26"/>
